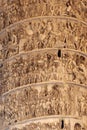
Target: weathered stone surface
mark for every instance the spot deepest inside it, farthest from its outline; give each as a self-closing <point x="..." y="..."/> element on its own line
<point x="45" y="100"/>
<point x="43" y="65"/>
<point x="44" y="33"/>
<point x="15" y="10"/>
<point x="49" y="124"/>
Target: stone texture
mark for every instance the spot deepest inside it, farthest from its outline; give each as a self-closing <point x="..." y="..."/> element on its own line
<point x="43" y="65"/>
<point x="14" y="10"/>
<point x="45" y="100"/>
<point x="45" y="33"/>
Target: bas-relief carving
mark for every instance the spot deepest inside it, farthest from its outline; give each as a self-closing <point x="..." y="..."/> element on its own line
<point x="47" y="33"/>
<point x="34" y="102"/>
<point x="19" y="66"/>
<point x="14" y="11"/>
<point x="24" y="69"/>
<point x="44" y="126"/>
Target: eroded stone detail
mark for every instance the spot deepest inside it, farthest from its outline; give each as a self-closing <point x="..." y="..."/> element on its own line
<point x="45" y="125"/>
<point x="44" y="33"/>
<point x="43" y="64"/>
<point x="17" y="10"/>
<point x="45" y="100"/>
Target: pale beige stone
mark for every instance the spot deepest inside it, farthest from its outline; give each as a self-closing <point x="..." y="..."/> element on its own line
<point x="43" y="65"/>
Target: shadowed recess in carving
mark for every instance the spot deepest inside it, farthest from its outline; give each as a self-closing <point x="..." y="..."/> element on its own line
<point x="45" y="33"/>
<point x="62" y="124"/>
<point x="59" y="53"/>
<point x="43" y="64"/>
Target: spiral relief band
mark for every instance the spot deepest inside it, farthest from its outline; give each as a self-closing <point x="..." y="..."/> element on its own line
<point x="43" y="65"/>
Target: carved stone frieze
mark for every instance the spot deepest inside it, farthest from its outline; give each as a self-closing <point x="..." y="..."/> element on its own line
<point x="44" y="33"/>
<point x="17" y="10"/>
<point x="43" y="64"/>
<point x="44" y="100"/>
